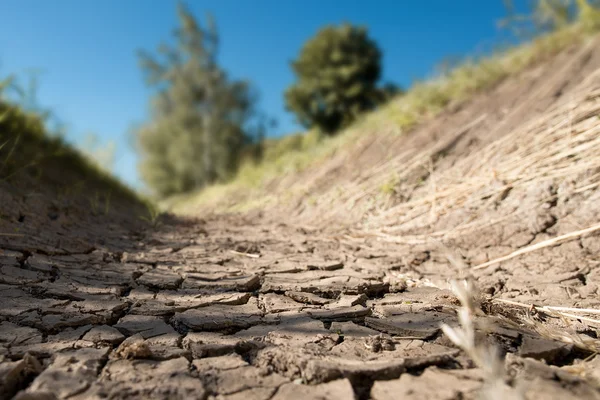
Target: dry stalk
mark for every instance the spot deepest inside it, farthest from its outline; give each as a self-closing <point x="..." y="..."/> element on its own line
<point x="540" y="245"/>
<point x="485" y="357"/>
<point x="553" y="333"/>
<point x="239" y="253"/>
<point x="548" y="308"/>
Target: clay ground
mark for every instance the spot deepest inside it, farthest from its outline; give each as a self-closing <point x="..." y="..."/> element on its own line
<point x="339" y="291"/>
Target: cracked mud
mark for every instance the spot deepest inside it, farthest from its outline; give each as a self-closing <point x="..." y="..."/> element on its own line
<point x="287" y="304"/>
<point x="184" y="317"/>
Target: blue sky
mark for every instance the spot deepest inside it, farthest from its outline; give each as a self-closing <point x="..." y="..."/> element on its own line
<point x="86" y="50"/>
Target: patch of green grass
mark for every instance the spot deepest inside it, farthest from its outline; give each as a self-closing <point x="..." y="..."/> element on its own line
<point x="424" y="100"/>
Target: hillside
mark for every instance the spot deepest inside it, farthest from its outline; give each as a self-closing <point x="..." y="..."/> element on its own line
<point x="54" y="198"/>
<point x="377" y="145"/>
<point x="330" y="278"/>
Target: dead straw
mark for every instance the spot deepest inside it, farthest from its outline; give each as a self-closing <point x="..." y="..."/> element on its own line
<point x="540" y="245"/>
<point x="557" y="310"/>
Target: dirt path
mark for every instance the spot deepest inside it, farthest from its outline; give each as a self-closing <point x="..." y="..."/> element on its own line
<point x="230" y="309"/>
<point x="339" y="299"/>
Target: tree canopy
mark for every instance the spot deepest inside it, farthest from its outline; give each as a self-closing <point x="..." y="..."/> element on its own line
<point x="199" y="116"/>
<point x="337" y="73"/>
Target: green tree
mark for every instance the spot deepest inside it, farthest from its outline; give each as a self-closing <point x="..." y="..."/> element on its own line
<point x="200" y="117"/>
<point x="337" y="73"/>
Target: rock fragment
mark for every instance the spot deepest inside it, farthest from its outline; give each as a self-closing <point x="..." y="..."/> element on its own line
<point x="14" y="335"/>
<point x="70" y="373"/>
<point x="307" y="298"/>
<point x="145" y="325"/>
<point x="543" y="349"/>
<point x="220" y="317"/>
<point x="340" y="389"/>
<point x="434" y="383"/>
<point x="147" y="379"/>
<point x="104" y="334"/>
<point x="160" y="278"/>
<point x="133" y="347"/>
<point x="423" y="325"/>
<point x="14" y="374"/>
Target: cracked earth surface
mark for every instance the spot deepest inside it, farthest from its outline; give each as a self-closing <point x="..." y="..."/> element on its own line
<point x="307" y="303"/>
<point x="196" y="310"/>
<point x="193" y="313"/>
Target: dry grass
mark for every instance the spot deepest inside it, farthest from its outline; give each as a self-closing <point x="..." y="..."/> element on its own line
<point x="565" y="145"/>
<point x="485" y="357"/>
<point x="562" y="335"/>
<point x="546" y="243"/>
<point x="556" y="333"/>
<point x="558" y="311"/>
<point x="253" y="185"/>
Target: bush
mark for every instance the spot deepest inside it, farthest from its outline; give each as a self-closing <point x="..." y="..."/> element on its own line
<point x="337" y="72"/>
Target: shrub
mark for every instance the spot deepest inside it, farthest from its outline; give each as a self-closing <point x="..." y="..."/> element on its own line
<point x="337" y="73"/>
